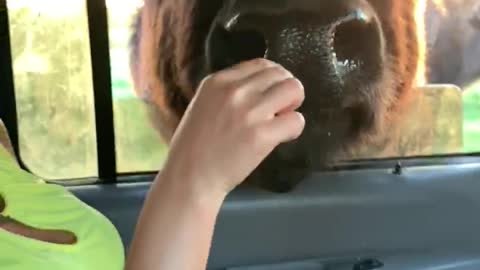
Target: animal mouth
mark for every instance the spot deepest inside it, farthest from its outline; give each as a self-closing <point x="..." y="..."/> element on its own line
<point x="337" y="49"/>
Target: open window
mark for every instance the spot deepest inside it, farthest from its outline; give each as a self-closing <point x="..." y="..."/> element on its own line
<point x="66" y="97"/>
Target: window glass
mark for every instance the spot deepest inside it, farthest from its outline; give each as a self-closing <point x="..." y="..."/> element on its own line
<point x="53" y="84"/>
<point x="454" y="53"/>
<point x="55" y="103"/>
<point x="454" y="114"/>
<point x="139" y="147"/>
<point x="471" y="127"/>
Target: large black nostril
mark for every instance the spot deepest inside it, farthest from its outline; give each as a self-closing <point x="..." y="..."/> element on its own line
<point x="356" y="42"/>
<point x="308" y="37"/>
<point x="229" y="47"/>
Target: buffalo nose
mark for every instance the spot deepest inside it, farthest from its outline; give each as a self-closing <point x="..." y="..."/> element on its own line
<point x="306" y="36"/>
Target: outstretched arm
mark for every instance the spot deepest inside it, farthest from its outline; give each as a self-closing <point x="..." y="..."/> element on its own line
<point x="175" y="227"/>
<point x="237" y="118"/>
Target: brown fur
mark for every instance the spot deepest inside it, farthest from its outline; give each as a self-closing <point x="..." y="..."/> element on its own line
<point x="168" y="50"/>
<point x="164" y="64"/>
<point x="162" y="67"/>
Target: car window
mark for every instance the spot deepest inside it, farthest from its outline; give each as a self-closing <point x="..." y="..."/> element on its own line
<point x="54" y="92"/>
<point x="53" y="84"/>
<point x="53" y="87"/>
<point x="139" y="147"/>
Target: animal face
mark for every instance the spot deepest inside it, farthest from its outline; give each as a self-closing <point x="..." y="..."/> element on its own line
<point x="358" y="61"/>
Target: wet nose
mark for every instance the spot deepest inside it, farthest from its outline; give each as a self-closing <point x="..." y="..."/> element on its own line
<point x="308" y="37"/>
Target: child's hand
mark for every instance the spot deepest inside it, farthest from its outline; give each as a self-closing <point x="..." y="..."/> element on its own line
<point x="238" y="116"/>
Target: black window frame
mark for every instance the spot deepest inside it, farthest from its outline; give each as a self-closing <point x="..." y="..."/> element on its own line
<point x="103" y="106"/>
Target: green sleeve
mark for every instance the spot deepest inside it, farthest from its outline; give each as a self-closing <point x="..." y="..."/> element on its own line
<point x="45" y="206"/>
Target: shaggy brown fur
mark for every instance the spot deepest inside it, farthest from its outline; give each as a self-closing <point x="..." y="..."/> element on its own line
<point x="168" y="60"/>
<point x="166" y="66"/>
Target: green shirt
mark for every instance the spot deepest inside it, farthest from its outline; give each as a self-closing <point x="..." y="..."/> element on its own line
<point x="45" y="206"/>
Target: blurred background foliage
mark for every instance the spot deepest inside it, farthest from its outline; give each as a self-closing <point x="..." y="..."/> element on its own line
<point x="471" y="118"/>
<point x="53" y="84"/>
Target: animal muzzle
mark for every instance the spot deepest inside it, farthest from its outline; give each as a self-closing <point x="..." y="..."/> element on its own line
<point x="329" y="45"/>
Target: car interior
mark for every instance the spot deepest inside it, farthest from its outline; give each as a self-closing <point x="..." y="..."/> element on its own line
<point x="67" y="102"/>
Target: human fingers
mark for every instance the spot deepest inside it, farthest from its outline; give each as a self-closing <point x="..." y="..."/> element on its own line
<point x="282" y="97"/>
<point x="264" y="79"/>
<point x="285" y="127"/>
<point x="244" y="69"/>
